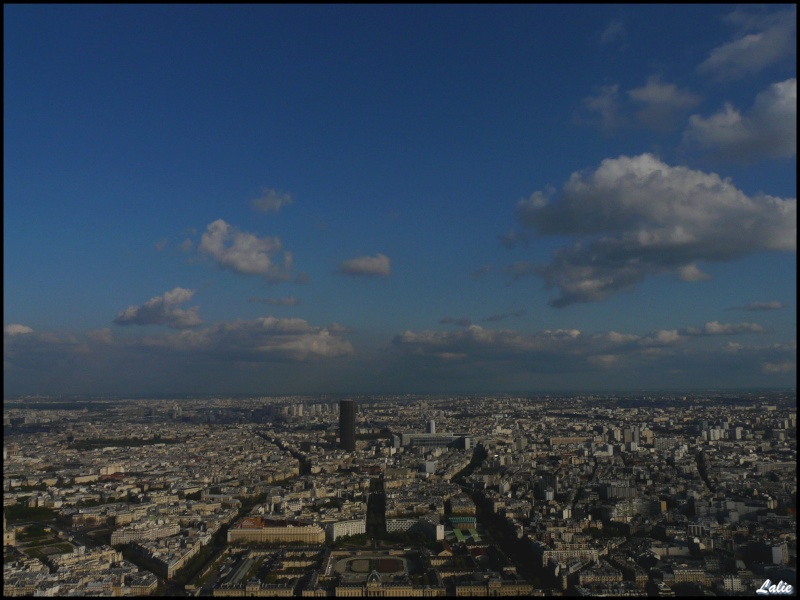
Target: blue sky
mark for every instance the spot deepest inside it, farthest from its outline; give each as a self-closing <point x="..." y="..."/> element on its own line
<point x="311" y="199"/>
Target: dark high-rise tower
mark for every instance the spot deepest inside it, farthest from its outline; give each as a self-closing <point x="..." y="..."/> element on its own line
<point x="347" y="425"/>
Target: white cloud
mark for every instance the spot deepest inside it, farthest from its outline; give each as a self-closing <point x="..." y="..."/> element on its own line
<point x="662" y="103"/>
<point x="162" y="310"/>
<point x="662" y="337"/>
<point x="762" y="41"/>
<point x="232" y="353"/>
<point x="227" y="353"/>
<point x="244" y="252"/>
<point x="669" y="337"/>
<point x="271" y="201"/>
<point x="371" y="266"/>
<point x="620" y="338"/>
<point x="691" y="273"/>
<point x="265" y="337"/>
<point x="16" y="329"/>
<point x="634" y="217"/>
<point x="768" y="130"/>
<point x="657" y="105"/>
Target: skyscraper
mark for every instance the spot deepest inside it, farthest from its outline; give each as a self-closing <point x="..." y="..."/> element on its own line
<point x="347" y="425"/>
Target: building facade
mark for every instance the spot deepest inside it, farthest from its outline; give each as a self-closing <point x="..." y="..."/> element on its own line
<point x="347" y="425"/>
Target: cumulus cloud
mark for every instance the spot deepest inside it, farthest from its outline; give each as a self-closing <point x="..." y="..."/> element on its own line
<point x="662" y="103"/>
<point x="265" y="337"/>
<point x="657" y="105"/>
<point x="244" y="252"/>
<point x="768" y="130"/>
<point x="271" y="201"/>
<point x="634" y="217"/>
<point x="691" y="272"/>
<point x="162" y="310"/>
<point x="761" y="41"/>
<point x="662" y="337"/>
<point x="287" y="301"/>
<point x="369" y="266"/>
<point x="16" y="329"/>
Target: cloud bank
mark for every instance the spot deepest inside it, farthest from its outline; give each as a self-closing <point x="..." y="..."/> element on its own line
<point x="768" y="130"/>
<point x="270" y="353"/>
<point x="762" y="41"/>
<point x="162" y="310"/>
<point x="496" y="357"/>
<point x="476" y="341"/>
<point x="265" y="337"/>
<point x="635" y="217"/>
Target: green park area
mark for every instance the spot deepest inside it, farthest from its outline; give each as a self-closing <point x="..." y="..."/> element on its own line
<point x="39" y="541"/>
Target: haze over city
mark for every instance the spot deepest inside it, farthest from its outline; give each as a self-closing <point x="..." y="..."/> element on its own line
<point x="326" y="199"/>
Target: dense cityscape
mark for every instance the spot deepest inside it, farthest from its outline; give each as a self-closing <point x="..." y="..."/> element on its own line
<point x="387" y="300"/>
<point x="589" y="495"/>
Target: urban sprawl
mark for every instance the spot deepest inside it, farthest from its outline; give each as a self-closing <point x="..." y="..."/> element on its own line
<point x="406" y="495"/>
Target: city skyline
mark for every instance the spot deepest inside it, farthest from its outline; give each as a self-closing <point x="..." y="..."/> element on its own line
<point x="341" y="199"/>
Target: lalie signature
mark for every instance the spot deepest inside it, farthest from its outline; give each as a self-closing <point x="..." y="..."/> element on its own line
<point x="780" y="588"/>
